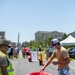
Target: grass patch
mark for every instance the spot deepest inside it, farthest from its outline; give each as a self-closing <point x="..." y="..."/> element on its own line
<point x="72" y="59"/>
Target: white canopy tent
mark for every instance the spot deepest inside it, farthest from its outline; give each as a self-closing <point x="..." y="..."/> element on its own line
<point x="70" y="40"/>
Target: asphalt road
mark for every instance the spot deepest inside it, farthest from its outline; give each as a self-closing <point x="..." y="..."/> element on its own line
<point x="23" y="66"/>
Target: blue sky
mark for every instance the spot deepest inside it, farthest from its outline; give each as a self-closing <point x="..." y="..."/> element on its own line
<point x="29" y="16"/>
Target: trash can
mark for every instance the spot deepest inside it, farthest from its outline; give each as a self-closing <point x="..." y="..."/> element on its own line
<point x="39" y="73"/>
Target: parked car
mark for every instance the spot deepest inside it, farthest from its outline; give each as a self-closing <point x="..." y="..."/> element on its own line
<point x="51" y="51"/>
<point x="72" y="53"/>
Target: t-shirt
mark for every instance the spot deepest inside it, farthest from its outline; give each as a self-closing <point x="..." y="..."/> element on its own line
<point x="16" y="50"/>
<point x="23" y="49"/>
<point x="26" y="49"/>
<point x="3" y="60"/>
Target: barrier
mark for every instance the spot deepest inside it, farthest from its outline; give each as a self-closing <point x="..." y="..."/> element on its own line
<point x="34" y="56"/>
<point x="39" y="73"/>
<point x="30" y="57"/>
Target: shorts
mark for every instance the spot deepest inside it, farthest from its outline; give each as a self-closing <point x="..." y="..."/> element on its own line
<point x="27" y="53"/>
<point x="23" y="53"/>
<point x="63" y="71"/>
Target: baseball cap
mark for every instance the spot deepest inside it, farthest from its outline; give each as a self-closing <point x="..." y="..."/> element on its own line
<point x="54" y="41"/>
<point x="4" y="42"/>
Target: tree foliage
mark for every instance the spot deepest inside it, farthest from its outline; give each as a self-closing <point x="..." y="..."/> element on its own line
<point x="64" y="36"/>
<point x="35" y="44"/>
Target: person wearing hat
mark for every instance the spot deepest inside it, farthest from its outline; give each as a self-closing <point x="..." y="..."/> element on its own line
<point x="62" y="56"/>
<point x="5" y="64"/>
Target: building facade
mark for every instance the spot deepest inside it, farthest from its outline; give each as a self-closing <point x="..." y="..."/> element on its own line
<point x="73" y="34"/>
<point x="2" y="35"/>
<point x="43" y="35"/>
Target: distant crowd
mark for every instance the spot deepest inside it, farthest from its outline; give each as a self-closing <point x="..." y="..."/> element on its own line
<point x="13" y="52"/>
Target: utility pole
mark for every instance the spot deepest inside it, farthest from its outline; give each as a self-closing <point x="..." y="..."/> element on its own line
<point x="18" y="44"/>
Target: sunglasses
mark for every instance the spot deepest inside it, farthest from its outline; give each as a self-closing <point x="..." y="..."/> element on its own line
<point x="55" y="44"/>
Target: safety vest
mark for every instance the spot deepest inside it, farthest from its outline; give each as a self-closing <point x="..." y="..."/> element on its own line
<point x="10" y="69"/>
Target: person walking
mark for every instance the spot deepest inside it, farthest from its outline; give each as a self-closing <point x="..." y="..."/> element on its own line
<point x="23" y="52"/>
<point x="27" y="51"/>
<point x="16" y="52"/>
<point x="10" y="52"/>
<point x="47" y="53"/>
<point x="5" y="64"/>
<point x="40" y="57"/>
<point x="62" y="56"/>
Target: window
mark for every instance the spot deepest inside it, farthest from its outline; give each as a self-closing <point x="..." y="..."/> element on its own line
<point x="59" y="35"/>
<point x="55" y="35"/>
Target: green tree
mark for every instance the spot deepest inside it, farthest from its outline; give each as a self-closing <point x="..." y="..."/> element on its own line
<point x="64" y="36"/>
<point x="49" y="40"/>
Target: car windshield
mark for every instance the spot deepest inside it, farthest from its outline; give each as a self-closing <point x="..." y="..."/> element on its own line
<point x="51" y="50"/>
<point x="72" y="50"/>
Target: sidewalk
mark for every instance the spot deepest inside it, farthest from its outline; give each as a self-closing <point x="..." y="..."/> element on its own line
<point x="72" y="64"/>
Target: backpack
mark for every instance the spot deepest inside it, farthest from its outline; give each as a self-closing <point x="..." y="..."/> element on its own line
<point x="9" y="50"/>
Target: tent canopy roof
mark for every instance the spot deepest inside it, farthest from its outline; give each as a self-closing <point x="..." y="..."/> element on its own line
<point x="70" y="40"/>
